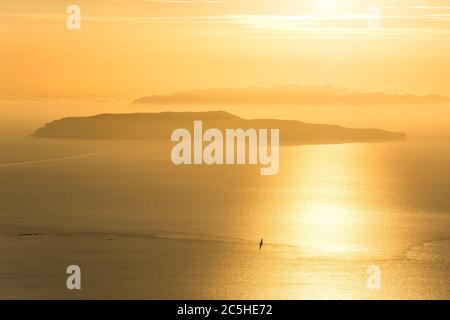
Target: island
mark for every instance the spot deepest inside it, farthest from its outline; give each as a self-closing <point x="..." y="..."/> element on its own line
<point x="161" y="125"/>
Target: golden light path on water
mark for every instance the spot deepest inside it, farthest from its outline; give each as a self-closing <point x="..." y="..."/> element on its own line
<point x="333" y="220"/>
<point x="326" y="213"/>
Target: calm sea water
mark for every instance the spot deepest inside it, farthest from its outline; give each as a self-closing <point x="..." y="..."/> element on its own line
<point x="140" y="227"/>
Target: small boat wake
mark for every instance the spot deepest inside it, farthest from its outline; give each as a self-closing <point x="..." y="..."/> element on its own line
<point x="27" y="162"/>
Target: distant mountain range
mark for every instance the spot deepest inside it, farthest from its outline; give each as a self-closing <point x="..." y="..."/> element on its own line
<point x="161" y="125"/>
<point x="292" y="95"/>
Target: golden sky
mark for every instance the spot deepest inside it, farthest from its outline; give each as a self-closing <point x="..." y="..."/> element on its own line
<point x="139" y="47"/>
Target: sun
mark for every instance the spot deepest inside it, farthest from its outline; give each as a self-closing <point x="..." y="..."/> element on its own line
<point x="327" y="6"/>
<point x="327" y="3"/>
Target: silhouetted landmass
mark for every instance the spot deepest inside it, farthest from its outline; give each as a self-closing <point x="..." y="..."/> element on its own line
<point x="292" y="95"/>
<point x="161" y="125"/>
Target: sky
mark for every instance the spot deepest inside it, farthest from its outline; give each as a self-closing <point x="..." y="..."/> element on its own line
<point x="139" y="47"/>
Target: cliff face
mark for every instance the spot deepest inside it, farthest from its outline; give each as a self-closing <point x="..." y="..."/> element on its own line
<point x="161" y="125"/>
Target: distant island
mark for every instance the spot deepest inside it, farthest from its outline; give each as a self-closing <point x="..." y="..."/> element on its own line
<point x="318" y="95"/>
<point x="160" y="126"/>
